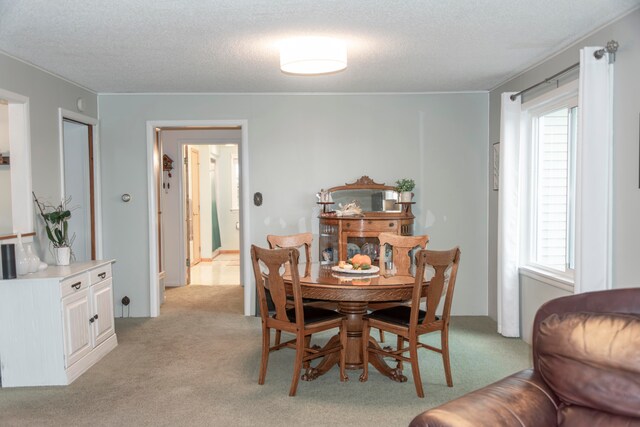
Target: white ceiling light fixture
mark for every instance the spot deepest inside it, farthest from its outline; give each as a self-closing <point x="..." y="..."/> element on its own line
<point x="313" y="55"/>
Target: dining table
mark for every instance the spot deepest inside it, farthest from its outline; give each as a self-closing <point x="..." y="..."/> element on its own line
<point x="353" y="291"/>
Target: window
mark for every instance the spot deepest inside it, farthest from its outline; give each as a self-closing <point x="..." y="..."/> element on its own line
<point x="552" y="133"/>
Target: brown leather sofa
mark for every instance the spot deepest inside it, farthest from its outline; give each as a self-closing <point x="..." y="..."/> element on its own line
<point x="586" y="356"/>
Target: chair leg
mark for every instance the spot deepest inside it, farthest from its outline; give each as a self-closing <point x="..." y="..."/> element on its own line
<point x="415" y="369"/>
<point x="343" y="350"/>
<point x="278" y="334"/>
<point x="400" y="344"/>
<point x="297" y="365"/>
<point x="366" y="332"/>
<point x="444" y="338"/>
<point x="266" y="340"/>
<point x="381" y="335"/>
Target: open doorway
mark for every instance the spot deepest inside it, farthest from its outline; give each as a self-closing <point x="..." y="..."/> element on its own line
<point x="79" y="156"/>
<point x="199" y="215"/>
<point x="212" y="211"/>
<point x="156" y="196"/>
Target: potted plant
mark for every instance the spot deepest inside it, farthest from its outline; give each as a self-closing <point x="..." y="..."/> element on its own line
<point x="56" y="222"/>
<point x="404" y="187"/>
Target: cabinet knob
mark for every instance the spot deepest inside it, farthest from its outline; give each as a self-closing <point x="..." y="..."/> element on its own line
<point x="102" y="275"/>
<point x="76" y="285"/>
<point x="391" y="224"/>
<point x="91" y="320"/>
<point x="348" y="225"/>
<point x="95" y="317"/>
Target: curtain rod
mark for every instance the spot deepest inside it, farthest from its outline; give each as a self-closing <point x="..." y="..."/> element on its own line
<point x="612" y="47"/>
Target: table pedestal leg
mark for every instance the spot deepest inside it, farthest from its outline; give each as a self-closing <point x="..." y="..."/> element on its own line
<point x="354" y="312"/>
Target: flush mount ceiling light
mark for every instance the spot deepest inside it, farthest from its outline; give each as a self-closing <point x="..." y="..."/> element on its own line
<point x="313" y="55"/>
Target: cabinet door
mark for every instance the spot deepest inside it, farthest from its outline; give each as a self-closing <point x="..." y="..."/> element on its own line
<point x="102" y="300"/>
<point x="77" y="328"/>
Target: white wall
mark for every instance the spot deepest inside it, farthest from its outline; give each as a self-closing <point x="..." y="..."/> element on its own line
<point x="626" y="204"/>
<point x="47" y="93"/>
<point x="299" y="144"/>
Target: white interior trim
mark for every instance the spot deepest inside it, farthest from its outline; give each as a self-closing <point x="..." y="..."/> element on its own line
<point x="243" y="149"/>
<point x="97" y="181"/>
<point x="544" y="276"/>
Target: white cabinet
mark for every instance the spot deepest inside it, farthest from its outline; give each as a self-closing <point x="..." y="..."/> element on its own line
<point x="55" y="324"/>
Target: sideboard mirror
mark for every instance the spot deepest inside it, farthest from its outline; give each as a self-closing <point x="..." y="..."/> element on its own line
<point x="369" y="195"/>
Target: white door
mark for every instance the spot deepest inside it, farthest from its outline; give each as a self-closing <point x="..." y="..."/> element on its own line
<point x="78" y="182"/>
<point x="102" y="300"/>
<point x="77" y="328"/>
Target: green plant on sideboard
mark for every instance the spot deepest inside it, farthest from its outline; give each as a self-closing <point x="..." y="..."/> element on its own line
<point x="404" y="185"/>
<point x="56" y="222"/>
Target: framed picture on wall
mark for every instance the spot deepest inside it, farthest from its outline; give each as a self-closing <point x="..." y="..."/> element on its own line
<point x="496" y="166"/>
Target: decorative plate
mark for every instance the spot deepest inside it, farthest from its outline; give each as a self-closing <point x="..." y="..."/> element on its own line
<point x="352" y="249"/>
<point x="373" y="270"/>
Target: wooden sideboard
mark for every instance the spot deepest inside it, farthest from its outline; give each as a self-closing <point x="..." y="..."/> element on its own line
<point x="339" y="235"/>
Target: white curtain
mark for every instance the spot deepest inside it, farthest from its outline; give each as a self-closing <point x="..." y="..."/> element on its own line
<point x="594" y="173"/>
<point x="509" y="218"/>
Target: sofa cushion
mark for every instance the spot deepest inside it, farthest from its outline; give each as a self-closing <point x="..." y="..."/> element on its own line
<point x="592" y="360"/>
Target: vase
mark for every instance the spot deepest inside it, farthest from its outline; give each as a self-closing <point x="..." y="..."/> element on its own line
<point x="62" y="255"/>
<point x="405" y="196"/>
<point x="8" y="261"/>
<point x="22" y="261"/>
<point x="34" y="261"/>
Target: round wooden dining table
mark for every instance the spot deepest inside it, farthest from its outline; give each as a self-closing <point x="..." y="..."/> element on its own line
<point x="353" y="292"/>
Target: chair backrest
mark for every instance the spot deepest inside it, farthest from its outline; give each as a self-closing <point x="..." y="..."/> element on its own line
<point x="292" y="241"/>
<point x="272" y="278"/>
<point x="401" y="247"/>
<point x="441" y="284"/>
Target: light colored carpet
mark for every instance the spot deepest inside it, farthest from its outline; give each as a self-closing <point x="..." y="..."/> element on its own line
<point x="197" y="365"/>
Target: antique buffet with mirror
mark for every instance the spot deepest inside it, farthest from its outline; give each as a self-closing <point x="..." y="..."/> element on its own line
<point x="345" y="231"/>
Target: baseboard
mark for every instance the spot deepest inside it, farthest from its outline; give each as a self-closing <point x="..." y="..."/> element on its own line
<point x="235" y="251"/>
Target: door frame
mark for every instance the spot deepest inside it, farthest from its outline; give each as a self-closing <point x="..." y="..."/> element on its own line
<point x="97" y="185"/>
<point x="190" y="206"/>
<point x="245" y="242"/>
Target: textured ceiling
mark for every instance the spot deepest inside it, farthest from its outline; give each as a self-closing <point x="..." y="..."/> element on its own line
<point x="119" y="46"/>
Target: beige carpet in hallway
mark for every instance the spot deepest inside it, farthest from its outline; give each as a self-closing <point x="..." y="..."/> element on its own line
<point x="197" y="365"/>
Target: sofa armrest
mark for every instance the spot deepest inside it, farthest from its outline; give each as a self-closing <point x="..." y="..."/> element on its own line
<point x="521" y="399"/>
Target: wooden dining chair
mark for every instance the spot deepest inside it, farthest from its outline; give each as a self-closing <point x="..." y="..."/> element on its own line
<point x="297" y="241"/>
<point x="410" y="322"/>
<point x="401" y="248"/>
<point x="401" y="251"/>
<point x="301" y="321"/>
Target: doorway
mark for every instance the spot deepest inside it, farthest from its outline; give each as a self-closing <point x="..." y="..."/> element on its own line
<point x="199" y="233"/>
<point x="155" y="279"/>
<point x="211" y="209"/>
<point x="78" y="147"/>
